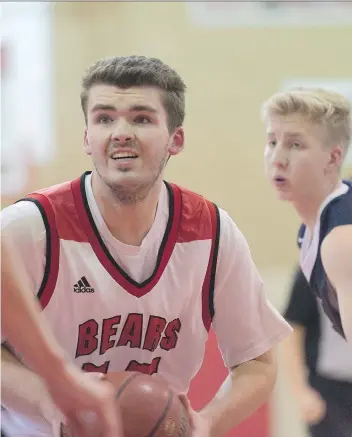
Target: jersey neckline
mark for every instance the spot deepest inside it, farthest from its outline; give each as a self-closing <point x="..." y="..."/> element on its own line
<point x="133" y="287"/>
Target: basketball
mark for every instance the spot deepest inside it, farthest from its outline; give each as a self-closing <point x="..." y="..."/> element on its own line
<point x="149" y="407"/>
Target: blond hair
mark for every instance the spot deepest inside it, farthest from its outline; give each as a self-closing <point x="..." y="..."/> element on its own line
<point x="324" y="107"/>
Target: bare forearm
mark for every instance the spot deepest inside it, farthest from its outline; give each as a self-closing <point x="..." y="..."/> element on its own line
<point x="20" y="308"/>
<point x="247" y="388"/>
<point x="21" y="389"/>
<point x="293" y="354"/>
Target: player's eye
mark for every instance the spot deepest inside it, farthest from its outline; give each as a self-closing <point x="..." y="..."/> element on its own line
<point x="142" y="119"/>
<point x="103" y="119"/>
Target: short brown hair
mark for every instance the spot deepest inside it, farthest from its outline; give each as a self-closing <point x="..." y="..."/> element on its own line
<point x="128" y="71"/>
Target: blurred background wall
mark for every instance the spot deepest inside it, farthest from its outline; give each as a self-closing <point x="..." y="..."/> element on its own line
<point x="231" y="61"/>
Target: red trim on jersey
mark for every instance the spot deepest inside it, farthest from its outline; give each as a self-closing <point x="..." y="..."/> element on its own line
<point x="195" y="224"/>
<point x="53" y="250"/>
<point x="104" y="256"/>
<point x="209" y="280"/>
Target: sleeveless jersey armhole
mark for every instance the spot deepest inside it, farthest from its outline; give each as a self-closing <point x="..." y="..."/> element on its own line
<point x="52" y="252"/>
<point x="208" y="289"/>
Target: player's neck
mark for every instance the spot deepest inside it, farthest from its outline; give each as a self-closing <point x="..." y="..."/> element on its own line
<point x="129" y="223"/>
<point x="308" y="207"/>
<point x="308" y="212"/>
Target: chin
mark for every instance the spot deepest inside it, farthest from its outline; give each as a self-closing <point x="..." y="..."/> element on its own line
<point x="284" y="195"/>
<point x="125" y="177"/>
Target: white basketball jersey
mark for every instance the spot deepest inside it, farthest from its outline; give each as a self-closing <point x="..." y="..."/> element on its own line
<point x="105" y="320"/>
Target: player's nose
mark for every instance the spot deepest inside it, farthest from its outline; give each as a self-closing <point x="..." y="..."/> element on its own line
<point x="280" y="157"/>
<point x="123" y="133"/>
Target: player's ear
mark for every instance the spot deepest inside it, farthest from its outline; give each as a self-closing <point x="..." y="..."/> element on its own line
<point x="87" y="148"/>
<point x="177" y="141"/>
<point x="335" y="158"/>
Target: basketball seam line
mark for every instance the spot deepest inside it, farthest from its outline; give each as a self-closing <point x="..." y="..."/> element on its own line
<point x="124" y="384"/>
<point x="163" y="415"/>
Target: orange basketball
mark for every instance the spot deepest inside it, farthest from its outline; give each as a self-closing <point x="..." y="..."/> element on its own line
<point x="149" y="407"/>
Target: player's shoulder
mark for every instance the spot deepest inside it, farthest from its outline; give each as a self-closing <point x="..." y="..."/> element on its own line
<point x="194" y="203"/>
<point x="23" y="223"/>
<point x="190" y="199"/>
<point x="196" y="213"/>
<point x="19" y="214"/>
<point x="26" y="214"/>
<point x="55" y="192"/>
<point x="338" y="211"/>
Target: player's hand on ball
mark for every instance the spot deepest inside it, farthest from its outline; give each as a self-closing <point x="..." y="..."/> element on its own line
<point x="200" y="426"/>
<point x="312" y="406"/>
<point x="87" y="401"/>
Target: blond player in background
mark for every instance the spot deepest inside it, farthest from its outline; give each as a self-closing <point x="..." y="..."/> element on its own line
<point x="308" y="136"/>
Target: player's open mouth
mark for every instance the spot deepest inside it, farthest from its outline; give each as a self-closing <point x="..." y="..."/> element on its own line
<point x="121" y="156"/>
<point x="279" y="181"/>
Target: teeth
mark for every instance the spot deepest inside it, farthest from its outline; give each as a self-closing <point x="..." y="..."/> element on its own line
<point x="121" y="155"/>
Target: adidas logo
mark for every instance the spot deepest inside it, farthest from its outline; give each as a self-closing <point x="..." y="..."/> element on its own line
<point x="83" y="286"/>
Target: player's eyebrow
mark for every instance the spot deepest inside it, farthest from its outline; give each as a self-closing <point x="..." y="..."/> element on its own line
<point x="288" y="134"/>
<point x="294" y="134"/>
<point x="134" y="108"/>
<point x="103" y="107"/>
<point x="142" y="108"/>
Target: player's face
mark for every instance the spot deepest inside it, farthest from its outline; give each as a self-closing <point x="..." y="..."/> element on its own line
<point x="128" y="139"/>
<point x="297" y="160"/>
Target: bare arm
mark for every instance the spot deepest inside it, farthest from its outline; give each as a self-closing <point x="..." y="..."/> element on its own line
<point x="310" y="402"/>
<point x="247" y="328"/>
<point x="23" y="391"/>
<point x="19" y="308"/>
<point x="293" y="354"/>
<point x="336" y="253"/>
<point x="73" y="392"/>
<point x="247" y="388"/>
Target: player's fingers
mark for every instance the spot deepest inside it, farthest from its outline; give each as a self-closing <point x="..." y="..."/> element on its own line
<point x="184" y="400"/>
<point x="111" y="424"/>
<point x="109" y="414"/>
<point x="86" y="424"/>
<point x="186" y="403"/>
<point x="316" y="412"/>
<point x="73" y="427"/>
<point x="82" y="424"/>
<point x="66" y="430"/>
<point x="97" y="376"/>
<point x="106" y="411"/>
<point x="319" y="413"/>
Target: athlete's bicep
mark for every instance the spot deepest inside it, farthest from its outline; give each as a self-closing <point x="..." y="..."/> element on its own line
<point x="23" y="226"/>
<point x="245" y="322"/>
<point x="336" y="254"/>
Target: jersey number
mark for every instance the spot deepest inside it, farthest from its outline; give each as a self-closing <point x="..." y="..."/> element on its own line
<point x="133" y="366"/>
<point x="147" y="369"/>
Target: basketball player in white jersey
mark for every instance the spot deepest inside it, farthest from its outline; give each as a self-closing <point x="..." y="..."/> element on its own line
<point x="72" y="390"/>
<point x="132" y="271"/>
<point x="309" y="132"/>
